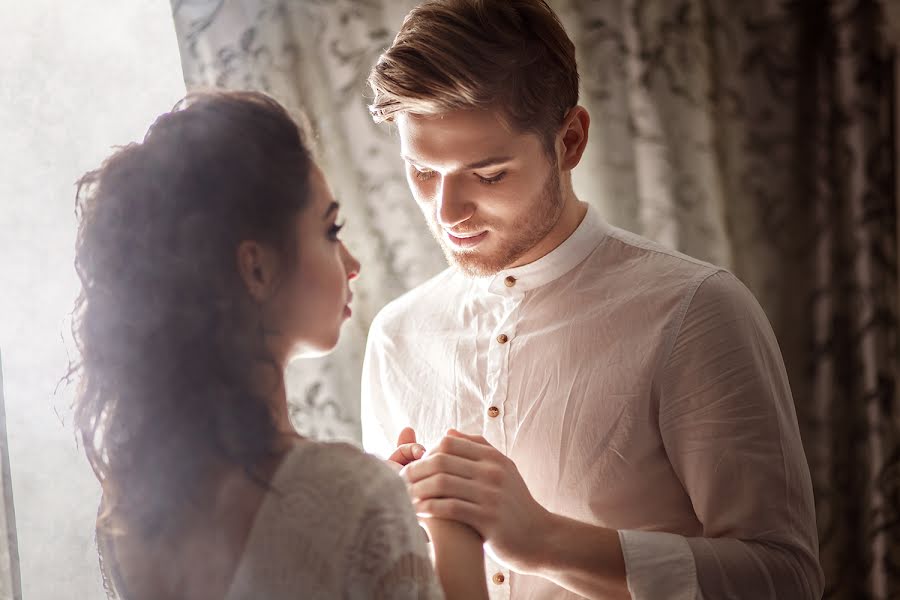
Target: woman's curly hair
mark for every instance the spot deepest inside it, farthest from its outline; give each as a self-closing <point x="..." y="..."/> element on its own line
<point x="167" y="333"/>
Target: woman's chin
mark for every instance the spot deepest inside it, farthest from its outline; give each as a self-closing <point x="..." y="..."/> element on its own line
<point x="316" y="349"/>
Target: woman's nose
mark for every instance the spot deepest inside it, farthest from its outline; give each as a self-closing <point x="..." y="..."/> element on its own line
<point x="351" y="264"/>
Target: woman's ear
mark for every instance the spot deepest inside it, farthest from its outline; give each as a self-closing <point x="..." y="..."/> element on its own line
<point x="257" y="265"/>
<point x="574" y="138"/>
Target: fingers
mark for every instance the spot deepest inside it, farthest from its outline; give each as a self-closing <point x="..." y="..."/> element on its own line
<point x="440" y="463"/>
<point x="478" y="439"/>
<point x="464" y="445"/>
<point x="451" y="509"/>
<point x="448" y="486"/>
<point x="407" y="453"/>
<point x="407" y="436"/>
<point x="472" y="447"/>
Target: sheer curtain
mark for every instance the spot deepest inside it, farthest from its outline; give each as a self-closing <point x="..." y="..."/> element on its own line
<point x="10" y="576"/>
<point x="315" y="56"/>
<point x="756" y="135"/>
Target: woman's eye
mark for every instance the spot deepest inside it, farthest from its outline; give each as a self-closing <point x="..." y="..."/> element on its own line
<point x="334" y="230"/>
<point x="491" y="180"/>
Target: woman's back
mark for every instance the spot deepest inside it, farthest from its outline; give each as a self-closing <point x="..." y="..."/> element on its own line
<point x="336" y="524"/>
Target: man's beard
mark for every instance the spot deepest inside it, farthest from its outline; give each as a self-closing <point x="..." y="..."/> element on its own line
<point x="529" y="229"/>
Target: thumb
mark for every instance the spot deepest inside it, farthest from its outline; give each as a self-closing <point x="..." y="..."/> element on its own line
<point x="407" y="436"/>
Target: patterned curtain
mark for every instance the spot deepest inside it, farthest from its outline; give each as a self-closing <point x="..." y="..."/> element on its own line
<point x="756" y="135"/>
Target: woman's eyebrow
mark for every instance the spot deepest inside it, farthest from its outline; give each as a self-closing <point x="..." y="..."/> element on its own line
<point x="333" y="207"/>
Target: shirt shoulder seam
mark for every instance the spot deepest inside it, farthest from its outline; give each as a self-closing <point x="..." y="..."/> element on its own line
<point x="682" y="313"/>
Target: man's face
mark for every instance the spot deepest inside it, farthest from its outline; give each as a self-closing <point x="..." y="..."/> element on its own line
<point x="489" y="195"/>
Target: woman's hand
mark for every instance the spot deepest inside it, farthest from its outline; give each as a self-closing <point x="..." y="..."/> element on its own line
<point x="466" y="479"/>
<point x="407" y="450"/>
<point x="458" y="559"/>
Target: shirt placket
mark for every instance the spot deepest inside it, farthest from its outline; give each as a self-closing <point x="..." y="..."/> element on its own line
<point x="498" y="583"/>
<point x="494" y="404"/>
<point x="496" y="421"/>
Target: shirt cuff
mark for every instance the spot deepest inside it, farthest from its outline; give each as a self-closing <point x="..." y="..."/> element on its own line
<point x="659" y="565"/>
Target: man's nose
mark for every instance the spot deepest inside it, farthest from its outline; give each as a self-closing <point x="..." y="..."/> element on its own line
<point x="453" y="206"/>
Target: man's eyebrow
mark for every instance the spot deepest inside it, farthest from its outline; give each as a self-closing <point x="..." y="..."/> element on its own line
<point x="332" y="208"/>
<point x="479" y="164"/>
<point x="487" y="162"/>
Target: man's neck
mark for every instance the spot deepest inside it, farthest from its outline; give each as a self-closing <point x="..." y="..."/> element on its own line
<point x="571" y="217"/>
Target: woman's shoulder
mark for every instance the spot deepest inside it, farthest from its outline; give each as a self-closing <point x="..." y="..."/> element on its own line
<point x="328" y="492"/>
<point x="336" y="520"/>
<point x="337" y="467"/>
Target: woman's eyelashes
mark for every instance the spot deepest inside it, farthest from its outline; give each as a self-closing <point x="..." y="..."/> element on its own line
<point x="334" y="230"/>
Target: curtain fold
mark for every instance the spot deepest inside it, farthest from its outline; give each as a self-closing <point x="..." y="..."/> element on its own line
<point x="756" y="135"/>
<point x="10" y="575"/>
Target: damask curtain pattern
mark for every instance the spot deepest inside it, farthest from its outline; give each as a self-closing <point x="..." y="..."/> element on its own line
<point x="314" y="57"/>
<point x="756" y="135"/>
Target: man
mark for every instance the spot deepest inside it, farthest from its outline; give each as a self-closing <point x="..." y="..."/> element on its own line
<point x="620" y="421"/>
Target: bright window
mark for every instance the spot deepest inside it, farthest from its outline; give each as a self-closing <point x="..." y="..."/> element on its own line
<point x="76" y="79"/>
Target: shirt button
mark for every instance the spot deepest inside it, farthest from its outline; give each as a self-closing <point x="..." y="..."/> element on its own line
<point x="502" y="338"/>
<point x="498" y="578"/>
<point x="510" y="281"/>
<point x="493" y="412"/>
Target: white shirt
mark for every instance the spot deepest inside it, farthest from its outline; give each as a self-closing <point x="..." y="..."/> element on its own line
<point x="635" y="388"/>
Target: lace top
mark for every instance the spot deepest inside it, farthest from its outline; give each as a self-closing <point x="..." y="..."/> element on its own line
<point x="336" y="524"/>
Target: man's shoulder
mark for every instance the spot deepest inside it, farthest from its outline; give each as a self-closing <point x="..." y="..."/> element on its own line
<point x="420" y="302"/>
<point x="665" y="273"/>
<point x="648" y="260"/>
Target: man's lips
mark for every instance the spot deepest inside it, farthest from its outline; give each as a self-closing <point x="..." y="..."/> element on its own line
<point x="467" y="240"/>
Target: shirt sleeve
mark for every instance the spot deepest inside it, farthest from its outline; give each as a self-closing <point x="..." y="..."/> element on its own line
<point x="729" y="427"/>
<point x="659" y="565"/>
<point x="374" y="408"/>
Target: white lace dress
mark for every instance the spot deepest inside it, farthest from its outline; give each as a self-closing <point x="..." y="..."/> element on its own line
<point x="337" y="525"/>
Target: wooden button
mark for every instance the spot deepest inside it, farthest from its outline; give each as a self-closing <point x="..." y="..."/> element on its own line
<point x="510" y="281"/>
<point x="502" y="338"/>
<point x="498" y="578"/>
<point x="493" y="412"/>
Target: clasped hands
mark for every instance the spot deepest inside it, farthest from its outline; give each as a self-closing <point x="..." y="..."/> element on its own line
<point x="464" y="478"/>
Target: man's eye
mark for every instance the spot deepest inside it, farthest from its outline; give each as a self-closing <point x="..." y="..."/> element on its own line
<point x="491" y="180"/>
<point x="423" y="175"/>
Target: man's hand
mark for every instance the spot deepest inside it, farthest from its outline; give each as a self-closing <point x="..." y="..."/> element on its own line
<point x="466" y="479"/>
<point x="407" y="449"/>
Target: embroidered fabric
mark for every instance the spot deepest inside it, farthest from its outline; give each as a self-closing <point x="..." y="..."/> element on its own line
<point x="337" y="524"/>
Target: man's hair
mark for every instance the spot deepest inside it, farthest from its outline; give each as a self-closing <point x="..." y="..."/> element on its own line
<point x="510" y="55"/>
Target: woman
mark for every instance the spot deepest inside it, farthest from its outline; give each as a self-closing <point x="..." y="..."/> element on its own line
<point x="209" y="256"/>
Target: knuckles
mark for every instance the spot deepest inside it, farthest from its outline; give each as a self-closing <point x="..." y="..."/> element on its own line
<point x="494" y="475"/>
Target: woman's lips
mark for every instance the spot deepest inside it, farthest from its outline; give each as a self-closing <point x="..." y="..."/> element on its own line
<point x="469" y="241"/>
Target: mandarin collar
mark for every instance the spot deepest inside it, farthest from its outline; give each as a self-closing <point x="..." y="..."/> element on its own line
<point x="553" y="265"/>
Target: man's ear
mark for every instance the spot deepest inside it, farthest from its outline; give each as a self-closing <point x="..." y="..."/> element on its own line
<point x="573" y="137"/>
<point x="257" y="265"/>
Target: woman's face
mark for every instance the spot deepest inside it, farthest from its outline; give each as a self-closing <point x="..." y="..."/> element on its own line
<point x="313" y="297"/>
